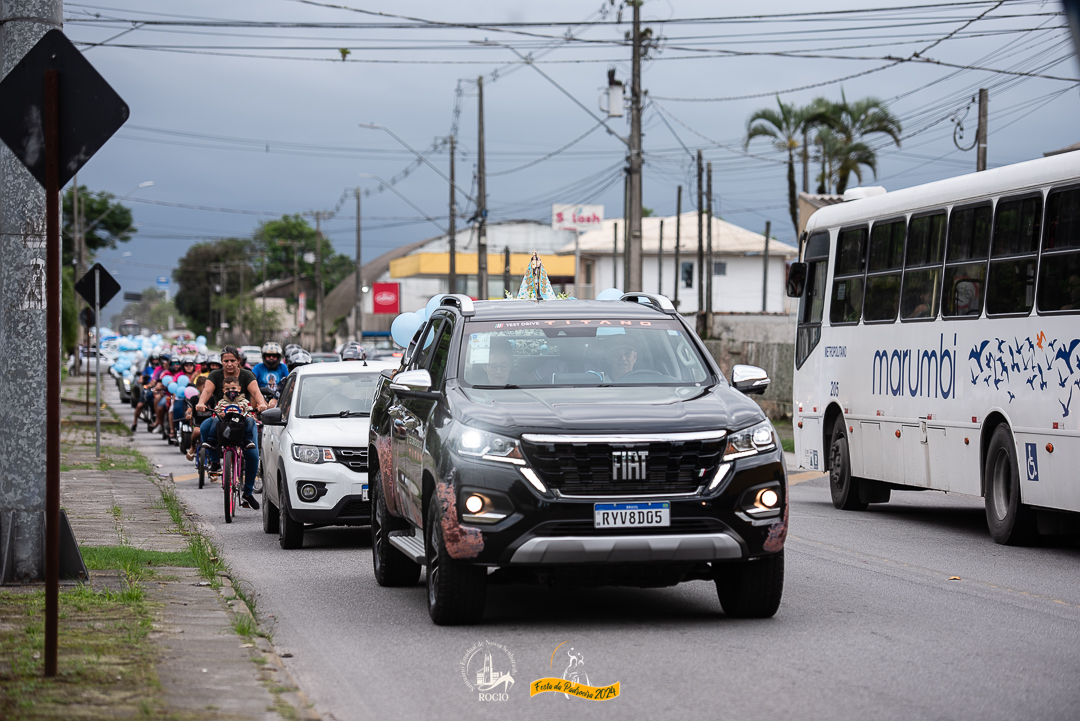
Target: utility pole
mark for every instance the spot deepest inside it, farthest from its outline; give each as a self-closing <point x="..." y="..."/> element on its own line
<point x="805" y="162"/>
<point x="765" y="271"/>
<point x="615" y="257"/>
<point x="358" y="307"/>
<point x="481" y="206"/>
<point x="626" y="231"/>
<point x="980" y="135"/>
<point x="452" y="277"/>
<point x="709" y="264"/>
<point x="678" y="243"/>
<point x="633" y="247"/>
<point x="660" y="261"/>
<point x="700" y="246"/>
<point x="265" y="260"/>
<point x="506" y="271"/>
<point x="318" y="282"/>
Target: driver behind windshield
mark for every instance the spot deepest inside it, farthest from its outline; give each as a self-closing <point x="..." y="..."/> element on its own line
<point x="621" y="360"/>
<point x="500" y="362"/>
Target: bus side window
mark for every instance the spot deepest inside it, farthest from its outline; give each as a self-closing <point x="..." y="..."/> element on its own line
<point x="1059" y="269"/>
<point x="1010" y="281"/>
<point x="922" y="267"/>
<point x="812" y="306"/>
<point x="965" y="262"/>
<point x="847" y="293"/>
<point x="883" y="271"/>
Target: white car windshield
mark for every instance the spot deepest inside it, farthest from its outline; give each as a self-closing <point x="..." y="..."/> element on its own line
<point x="580" y="352"/>
<point x="338" y="394"/>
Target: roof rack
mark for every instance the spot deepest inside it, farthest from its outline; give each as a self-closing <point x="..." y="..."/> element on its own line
<point x="660" y="302"/>
<point x="463" y="302"/>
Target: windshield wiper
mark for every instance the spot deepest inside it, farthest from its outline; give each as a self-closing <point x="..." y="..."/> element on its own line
<point x="340" y="414"/>
<point x="511" y="386"/>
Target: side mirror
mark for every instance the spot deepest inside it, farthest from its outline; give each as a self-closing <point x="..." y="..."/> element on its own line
<point x="417" y="381"/>
<point x="272" y="417"/>
<point x="796" y="280"/>
<point x="751" y="380"/>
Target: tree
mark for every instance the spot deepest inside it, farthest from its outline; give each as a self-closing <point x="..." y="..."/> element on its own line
<point x="785" y="127"/>
<point x="274" y="238"/>
<point x="104" y="222"/>
<point x="199" y="276"/>
<point x="852" y="122"/>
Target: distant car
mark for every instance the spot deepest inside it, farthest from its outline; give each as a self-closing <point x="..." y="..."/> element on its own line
<point x="314" y="450"/>
<point x="252" y="354"/>
<point x="325" y="357"/>
<point x="385" y="354"/>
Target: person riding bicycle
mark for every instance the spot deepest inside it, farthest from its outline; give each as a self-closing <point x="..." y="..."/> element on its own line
<point x="271" y="372"/>
<point x="196" y="418"/>
<point x="213" y="390"/>
<point x="150" y="375"/>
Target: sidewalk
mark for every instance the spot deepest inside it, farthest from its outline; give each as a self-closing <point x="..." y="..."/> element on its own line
<point x="120" y="508"/>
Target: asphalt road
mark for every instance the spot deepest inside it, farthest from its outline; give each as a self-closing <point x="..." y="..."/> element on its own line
<point x="871" y="626"/>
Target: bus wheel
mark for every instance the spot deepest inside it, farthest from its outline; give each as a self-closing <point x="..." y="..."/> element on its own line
<point x="844" y="488"/>
<point x="1010" y="521"/>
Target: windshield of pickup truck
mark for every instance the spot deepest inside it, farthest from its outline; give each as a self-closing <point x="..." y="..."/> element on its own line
<point x="576" y="352"/>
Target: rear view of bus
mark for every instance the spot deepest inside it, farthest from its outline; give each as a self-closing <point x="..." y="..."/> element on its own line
<point x="938" y="345"/>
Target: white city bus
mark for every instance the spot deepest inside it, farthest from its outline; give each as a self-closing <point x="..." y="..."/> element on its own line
<point x="938" y="345"/>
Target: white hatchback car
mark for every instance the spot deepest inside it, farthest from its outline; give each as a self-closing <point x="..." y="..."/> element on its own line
<point x="314" y="450"/>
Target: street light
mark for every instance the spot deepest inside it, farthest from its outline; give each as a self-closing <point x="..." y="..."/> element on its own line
<point x="89" y="228"/>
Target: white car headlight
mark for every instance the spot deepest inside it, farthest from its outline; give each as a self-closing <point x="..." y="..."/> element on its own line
<point x="748" y="441"/>
<point x="313" y="454"/>
<point x="489" y="446"/>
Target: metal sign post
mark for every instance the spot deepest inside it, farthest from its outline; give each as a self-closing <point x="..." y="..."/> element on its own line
<point x="97" y="363"/>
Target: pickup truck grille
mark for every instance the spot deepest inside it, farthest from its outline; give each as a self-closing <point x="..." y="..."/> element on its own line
<point x="354" y="458"/>
<point x="586" y="469"/>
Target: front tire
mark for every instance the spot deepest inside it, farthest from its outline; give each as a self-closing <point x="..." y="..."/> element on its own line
<point x="456" y="591"/>
<point x="753" y="589"/>
<point x="843" y="487"/>
<point x="290" y="532"/>
<point x="391" y="566"/>
<point x="1011" y="523"/>
<point x="201" y="461"/>
<point x="226" y="485"/>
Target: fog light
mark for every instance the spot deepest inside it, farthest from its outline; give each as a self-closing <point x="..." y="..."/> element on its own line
<point x="308" y="492"/>
<point x="767" y="499"/>
<point x="473" y="504"/>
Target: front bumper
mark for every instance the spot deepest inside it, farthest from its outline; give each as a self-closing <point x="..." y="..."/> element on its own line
<point x="556" y="530"/>
<point x="345" y="501"/>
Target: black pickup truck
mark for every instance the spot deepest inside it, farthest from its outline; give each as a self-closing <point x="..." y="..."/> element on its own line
<point x="575" y="443"/>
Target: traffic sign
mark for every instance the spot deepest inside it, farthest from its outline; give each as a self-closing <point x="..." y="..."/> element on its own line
<point x="90" y="110"/>
<point x="109" y="286"/>
<point x="163" y="281"/>
<point x="86" y="317"/>
<point x="132" y="297"/>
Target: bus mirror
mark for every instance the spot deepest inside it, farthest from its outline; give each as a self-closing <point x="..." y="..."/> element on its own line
<point x="796" y="280"/>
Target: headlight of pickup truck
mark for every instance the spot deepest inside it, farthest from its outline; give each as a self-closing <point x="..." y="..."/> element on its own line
<point x="489" y="446"/>
<point x="749" y="441"/>
<point x="313" y="454"/>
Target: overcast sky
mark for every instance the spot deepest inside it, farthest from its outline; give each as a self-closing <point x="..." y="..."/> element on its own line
<point x="265" y="120"/>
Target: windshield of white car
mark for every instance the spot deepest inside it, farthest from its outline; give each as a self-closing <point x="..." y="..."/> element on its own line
<point x="342" y="395"/>
<point x="580" y="353"/>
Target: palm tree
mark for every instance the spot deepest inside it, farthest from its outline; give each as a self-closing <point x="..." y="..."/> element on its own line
<point x="852" y="123"/>
<point x="787" y="128"/>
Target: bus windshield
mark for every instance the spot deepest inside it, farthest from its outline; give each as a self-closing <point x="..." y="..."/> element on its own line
<point x="580" y="352"/>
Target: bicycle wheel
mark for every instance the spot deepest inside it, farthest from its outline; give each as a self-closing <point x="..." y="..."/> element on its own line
<point x="200" y="461"/>
<point x="227" y="481"/>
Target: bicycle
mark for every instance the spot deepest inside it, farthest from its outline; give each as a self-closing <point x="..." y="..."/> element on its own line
<point x="202" y="455"/>
<point x="231" y="429"/>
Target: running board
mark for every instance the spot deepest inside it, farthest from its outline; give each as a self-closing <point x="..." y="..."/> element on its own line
<point x="410" y="545"/>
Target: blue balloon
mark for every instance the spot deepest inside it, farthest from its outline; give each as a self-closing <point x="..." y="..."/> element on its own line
<point x="610" y="294"/>
<point x="166" y="379"/>
<point x="200" y="340"/>
<point x="173" y="388"/>
<point x="434" y="303"/>
<point x="404" y="328"/>
<point x="183" y="380"/>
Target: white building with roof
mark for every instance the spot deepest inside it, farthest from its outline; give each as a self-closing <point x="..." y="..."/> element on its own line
<point x="738" y="263"/>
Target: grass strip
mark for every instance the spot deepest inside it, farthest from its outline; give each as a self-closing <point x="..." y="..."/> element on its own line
<point x="122" y="557"/>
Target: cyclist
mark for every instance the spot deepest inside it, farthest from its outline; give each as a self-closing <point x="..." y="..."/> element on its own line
<point x="213" y="390"/>
<point x="149" y="371"/>
<point x="271" y="372"/>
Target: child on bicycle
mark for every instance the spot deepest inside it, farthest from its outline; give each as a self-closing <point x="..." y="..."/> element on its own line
<point x="233" y="397"/>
